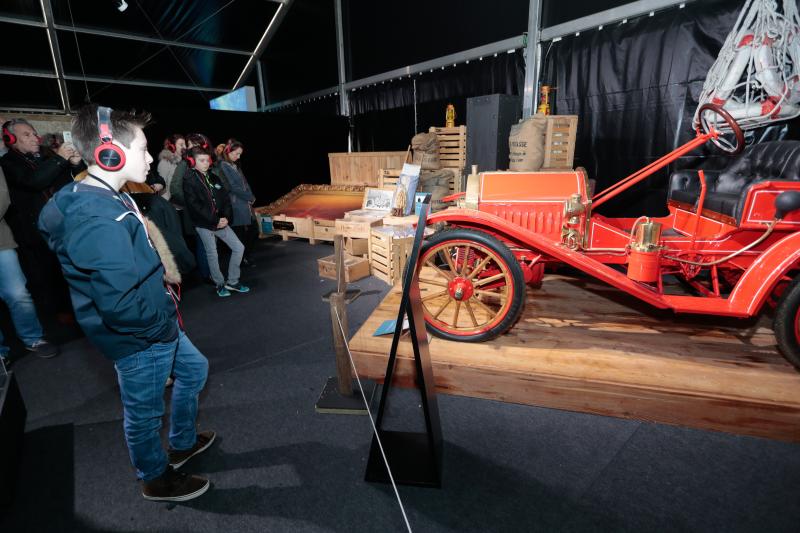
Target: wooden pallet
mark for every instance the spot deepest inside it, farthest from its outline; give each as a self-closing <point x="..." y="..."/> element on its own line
<point x="583" y="346"/>
<point x="361" y="168"/>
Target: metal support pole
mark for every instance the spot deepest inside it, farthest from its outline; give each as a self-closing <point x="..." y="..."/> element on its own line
<point x="344" y="101"/>
<point x="533" y="54"/>
<point x="262" y="99"/>
<point x="52" y="37"/>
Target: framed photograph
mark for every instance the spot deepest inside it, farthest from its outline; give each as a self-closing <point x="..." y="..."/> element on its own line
<point x="380" y="199"/>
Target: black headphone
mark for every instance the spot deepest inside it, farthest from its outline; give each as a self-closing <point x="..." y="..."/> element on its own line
<point x="108" y="155"/>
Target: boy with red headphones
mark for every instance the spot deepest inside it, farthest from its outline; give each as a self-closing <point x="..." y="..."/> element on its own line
<point x="123" y="303"/>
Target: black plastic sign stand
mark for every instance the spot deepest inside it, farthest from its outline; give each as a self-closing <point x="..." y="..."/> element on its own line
<point x="414" y="458"/>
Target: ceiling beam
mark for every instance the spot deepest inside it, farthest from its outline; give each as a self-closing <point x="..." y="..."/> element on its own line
<point x="55" y="51"/>
<point x="145" y="39"/>
<point x="26" y="73"/>
<point x="609" y="16"/>
<point x="22" y="21"/>
<point x="269" y="33"/>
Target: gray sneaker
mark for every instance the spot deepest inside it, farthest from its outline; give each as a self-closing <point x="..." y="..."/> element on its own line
<point x="43" y="349"/>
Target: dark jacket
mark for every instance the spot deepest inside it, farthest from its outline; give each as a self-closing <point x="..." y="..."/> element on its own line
<point x="32" y="180"/>
<point x="206" y="204"/>
<point x="176" y="184"/>
<point x="164" y="216"/>
<point x="241" y="195"/>
<point x="6" y="237"/>
<point x="114" y="274"/>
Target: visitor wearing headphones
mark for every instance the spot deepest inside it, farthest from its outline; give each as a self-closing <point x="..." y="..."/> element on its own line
<point x="123" y="303"/>
<point x="209" y="207"/>
<point x="242" y="197"/>
<point x="32" y="179"/>
<point x="168" y="159"/>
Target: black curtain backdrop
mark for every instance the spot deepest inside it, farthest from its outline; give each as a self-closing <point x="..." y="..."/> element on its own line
<point x="635" y="87"/>
<point x="383" y="114"/>
<point x="280" y="150"/>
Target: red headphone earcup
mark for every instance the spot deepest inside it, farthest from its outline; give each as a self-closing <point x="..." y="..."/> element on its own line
<point x="190" y="161"/>
<point x="109" y="156"/>
<point x="8" y="137"/>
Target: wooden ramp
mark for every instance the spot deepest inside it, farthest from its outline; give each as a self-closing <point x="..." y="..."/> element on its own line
<point x="582" y="346"/>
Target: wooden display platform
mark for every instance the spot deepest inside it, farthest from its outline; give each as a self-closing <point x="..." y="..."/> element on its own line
<point x="583" y="346"/>
<point x="309" y="211"/>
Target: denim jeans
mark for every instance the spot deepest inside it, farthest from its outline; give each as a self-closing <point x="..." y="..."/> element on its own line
<point x="16" y="296"/>
<point x="142" y="377"/>
<point x="226" y="235"/>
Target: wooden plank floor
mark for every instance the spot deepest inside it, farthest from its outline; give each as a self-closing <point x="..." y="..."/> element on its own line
<point x="582" y="346"/>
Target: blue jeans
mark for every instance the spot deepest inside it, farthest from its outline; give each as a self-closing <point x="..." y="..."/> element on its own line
<point x="16" y="296"/>
<point x="142" y="377"/>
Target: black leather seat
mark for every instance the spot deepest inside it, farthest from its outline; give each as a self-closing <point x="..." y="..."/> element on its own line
<point x="727" y="189"/>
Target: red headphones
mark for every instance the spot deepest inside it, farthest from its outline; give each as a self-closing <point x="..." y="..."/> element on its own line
<point x="108" y="155"/>
<point x="171" y="146"/>
<point x="190" y="161"/>
<point x="8" y="137"/>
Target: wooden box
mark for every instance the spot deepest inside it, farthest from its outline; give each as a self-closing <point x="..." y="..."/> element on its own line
<point x="361" y="168"/>
<point x="388" y="253"/>
<point x="389" y="177"/>
<point x="286" y="227"/>
<point x="324" y="230"/>
<point x="358" y="247"/>
<point x="355" y="268"/>
<point x="357" y="229"/>
<point x="559" y="141"/>
<point x="452" y="147"/>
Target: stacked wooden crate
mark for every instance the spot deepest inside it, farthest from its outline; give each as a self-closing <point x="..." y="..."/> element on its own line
<point x="361" y="168"/>
<point x="452" y="148"/>
<point x="389" y="248"/>
<point x="559" y="141"/>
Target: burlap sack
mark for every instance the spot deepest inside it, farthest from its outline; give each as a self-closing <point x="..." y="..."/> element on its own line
<point x="438" y="184"/>
<point x="426" y="151"/>
<point x="526" y="143"/>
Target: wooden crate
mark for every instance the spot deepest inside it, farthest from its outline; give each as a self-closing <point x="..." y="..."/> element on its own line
<point x="583" y="346"/>
<point x="324" y="230"/>
<point x="452" y="147"/>
<point x="355" y="268"/>
<point x="361" y="168"/>
<point x="359" y="247"/>
<point x="357" y="229"/>
<point x="293" y="227"/>
<point x="559" y="141"/>
<point x="389" y="177"/>
<point x="388" y="254"/>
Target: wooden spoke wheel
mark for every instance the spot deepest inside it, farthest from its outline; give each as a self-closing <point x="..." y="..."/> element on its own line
<point x="472" y="286"/>
<point x="786" y="324"/>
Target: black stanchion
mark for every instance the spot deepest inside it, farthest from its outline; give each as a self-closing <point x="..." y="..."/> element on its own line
<point x="414" y="458"/>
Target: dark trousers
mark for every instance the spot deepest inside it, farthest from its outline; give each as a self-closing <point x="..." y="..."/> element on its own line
<point x="46" y="282"/>
<point x="247" y="235"/>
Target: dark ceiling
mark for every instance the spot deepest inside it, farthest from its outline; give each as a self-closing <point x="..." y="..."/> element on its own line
<point x="300" y="59"/>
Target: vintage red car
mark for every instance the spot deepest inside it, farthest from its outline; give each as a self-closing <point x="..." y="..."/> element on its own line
<point x="509" y="226"/>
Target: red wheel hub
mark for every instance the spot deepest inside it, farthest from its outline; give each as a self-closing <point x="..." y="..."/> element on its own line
<point x="460" y="289"/>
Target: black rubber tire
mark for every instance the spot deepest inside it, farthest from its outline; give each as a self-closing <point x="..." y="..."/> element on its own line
<point x="784" y="323"/>
<point x="518" y="299"/>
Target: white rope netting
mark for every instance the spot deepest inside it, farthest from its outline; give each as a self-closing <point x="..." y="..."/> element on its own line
<point x="756" y="77"/>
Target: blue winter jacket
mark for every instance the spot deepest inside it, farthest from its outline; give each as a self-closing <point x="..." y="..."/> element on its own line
<point x="114" y="274"/>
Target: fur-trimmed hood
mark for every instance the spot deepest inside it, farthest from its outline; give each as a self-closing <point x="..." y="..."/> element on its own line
<point x="170" y="156"/>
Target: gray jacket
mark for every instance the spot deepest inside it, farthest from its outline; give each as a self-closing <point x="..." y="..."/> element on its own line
<point x="6" y="237"/>
<point x="240" y="193"/>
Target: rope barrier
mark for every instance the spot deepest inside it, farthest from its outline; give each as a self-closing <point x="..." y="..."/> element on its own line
<point x="372" y="421"/>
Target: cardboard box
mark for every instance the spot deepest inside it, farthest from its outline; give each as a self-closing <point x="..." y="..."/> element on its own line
<point x="355" y="268"/>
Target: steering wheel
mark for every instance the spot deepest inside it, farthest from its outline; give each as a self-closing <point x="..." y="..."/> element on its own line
<point x="732" y="145"/>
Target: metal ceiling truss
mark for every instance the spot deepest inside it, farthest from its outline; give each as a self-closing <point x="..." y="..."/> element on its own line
<point x="536" y="36"/>
<point x="492" y="49"/>
<point x="269" y="33"/>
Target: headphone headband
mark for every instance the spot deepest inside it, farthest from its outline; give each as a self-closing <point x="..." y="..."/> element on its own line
<point x="107" y="155"/>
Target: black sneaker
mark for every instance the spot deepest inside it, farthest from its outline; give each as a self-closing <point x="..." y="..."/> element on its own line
<point x="43" y="349"/>
<point x="172" y="486"/>
<point x="178" y="458"/>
